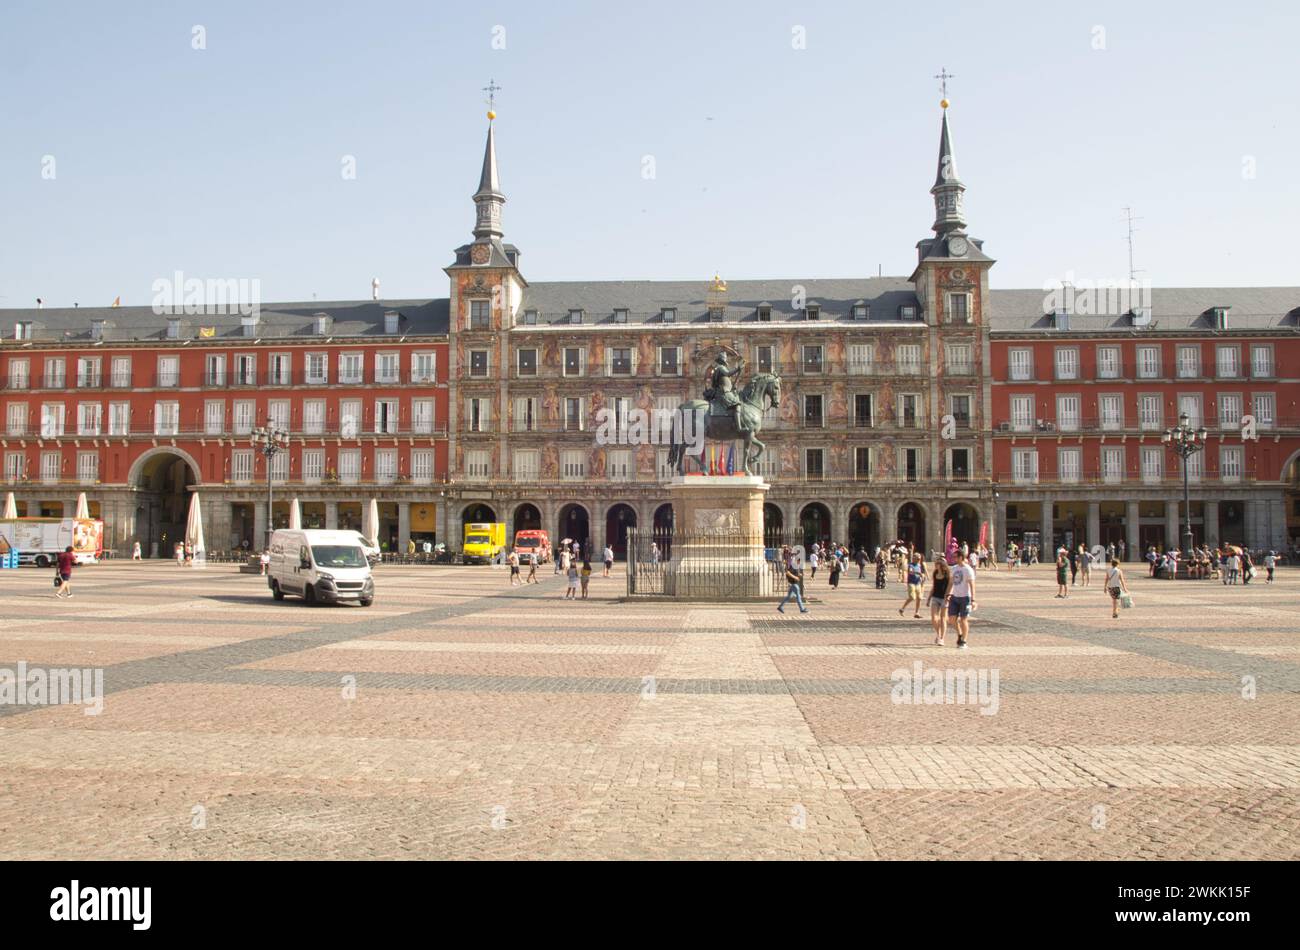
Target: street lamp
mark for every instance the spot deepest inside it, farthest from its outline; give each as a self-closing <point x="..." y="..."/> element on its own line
<point x="270" y="442"/>
<point x="1186" y="442"/>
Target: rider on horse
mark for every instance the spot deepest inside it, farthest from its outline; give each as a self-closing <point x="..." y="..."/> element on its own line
<point x="721" y="391"/>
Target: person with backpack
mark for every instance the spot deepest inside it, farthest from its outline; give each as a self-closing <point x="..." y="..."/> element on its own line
<point x="837" y="566"/>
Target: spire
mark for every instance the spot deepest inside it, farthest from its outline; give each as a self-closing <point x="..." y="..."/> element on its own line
<point x="948" y="189"/>
<point x="489" y="198"/>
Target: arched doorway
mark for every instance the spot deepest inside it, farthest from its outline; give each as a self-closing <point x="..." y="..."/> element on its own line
<point x="864" y="527"/>
<point x="965" y="523"/>
<point x="528" y="518"/>
<point x="617" y="521"/>
<point x="773" y="525"/>
<point x="163" y="481"/>
<point x="663" y="523"/>
<point x="814" y="524"/>
<point x="911" y="524"/>
<point x="478" y="514"/>
<point x="574" y="524"/>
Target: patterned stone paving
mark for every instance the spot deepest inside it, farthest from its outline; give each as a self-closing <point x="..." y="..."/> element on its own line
<point x="461" y="718"/>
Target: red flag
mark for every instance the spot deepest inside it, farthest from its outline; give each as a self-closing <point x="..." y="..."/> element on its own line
<point x="947" y="535"/>
<point x="984" y="532"/>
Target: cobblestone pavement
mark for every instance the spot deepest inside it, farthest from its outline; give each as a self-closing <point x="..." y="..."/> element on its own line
<point x="461" y="718"/>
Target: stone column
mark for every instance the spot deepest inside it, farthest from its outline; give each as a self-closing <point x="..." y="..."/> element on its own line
<point x="259" y="526"/>
<point x="888" y="521"/>
<point x="331" y="515"/>
<point x="403" y="525"/>
<point x="1047" y="545"/>
<point x="999" y="540"/>
<point x="1172" y="518"/>
<point x="1210" y="523"/>
<point x="1132" y="536"/>
<point x="1094" y="524"/>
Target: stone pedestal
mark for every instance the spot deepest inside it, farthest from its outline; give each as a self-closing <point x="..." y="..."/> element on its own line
<point x="717" y="551"/>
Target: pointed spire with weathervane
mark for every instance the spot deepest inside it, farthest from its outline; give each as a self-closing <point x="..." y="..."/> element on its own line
<point x="489" y="199"/>
<point x="949" y="215"/>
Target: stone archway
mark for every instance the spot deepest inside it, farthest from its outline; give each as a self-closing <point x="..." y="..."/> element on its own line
<point x="864" y="527"/>
<point x="814" y="524"/>
<point x="965" y="520"/>
<point x="911" y="524"/>
<point x="163" y="479"/>
<point x="574" y="523"/>
<point x="618" y="519"/>
<point x="773" y="525"/>
<point x="527" y="518"/>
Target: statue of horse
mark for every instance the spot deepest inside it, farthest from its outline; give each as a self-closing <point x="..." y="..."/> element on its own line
<point x="755" y="396"/>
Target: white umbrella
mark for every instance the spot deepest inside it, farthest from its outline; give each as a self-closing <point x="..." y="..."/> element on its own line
<point x="83" y="507"/>
<point x="194" y="531"/>
<point x="11" y="506"/>
<point x="372" y="528"/>
<point x="295" y="515"/>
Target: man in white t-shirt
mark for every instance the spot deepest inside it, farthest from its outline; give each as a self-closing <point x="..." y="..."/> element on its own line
<point x="961" y="598"/>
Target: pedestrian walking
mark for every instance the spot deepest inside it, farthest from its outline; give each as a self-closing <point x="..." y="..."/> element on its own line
<point x="572" y="573"/>
<point x="1073" y="557"/>
<point x="881" y="570"/>
<point x="915" y="584"/>
<point x="1062" y="568"/>
<point x="1116" y="586"/>
<point x="1085" y="566"/>
<point x="532" y="570"/>
<point x="135" y="552"/>
<point x="1270" y="562"/>
<point x="585" y="576"/>
<point x="63" y="572"/>
<point x="814" y="556"/>
<point x="836" y="567"/>
<point x="514" y="568"/>
<point x="794" y="578"/>
<point x="961" y="599"/>
<point x="265" y="561"/>
<point x="861" y="558"/>
<point x="940" y="579"/>
<point x="654" y="553"/>
<point x="609" y="560"/>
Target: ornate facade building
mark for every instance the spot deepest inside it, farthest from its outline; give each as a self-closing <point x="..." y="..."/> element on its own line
<point x="906" y="402"/>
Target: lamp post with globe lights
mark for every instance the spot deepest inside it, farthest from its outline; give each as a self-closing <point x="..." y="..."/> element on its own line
<point x="270" y="442"/>
<point x="1186" y="442"/>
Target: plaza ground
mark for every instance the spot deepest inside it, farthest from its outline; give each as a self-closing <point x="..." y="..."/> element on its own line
<point x="499" y="723"/>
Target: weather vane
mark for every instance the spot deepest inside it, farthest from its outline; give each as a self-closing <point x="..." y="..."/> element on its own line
<point x="943" y="78"/>
<point x="492" y="89"/>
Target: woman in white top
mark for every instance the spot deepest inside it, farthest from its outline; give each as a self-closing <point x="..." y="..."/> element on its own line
<point x="1115" y="586"/>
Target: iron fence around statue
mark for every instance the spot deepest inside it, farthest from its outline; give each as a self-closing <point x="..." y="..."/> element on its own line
<point x="726" y="561"/>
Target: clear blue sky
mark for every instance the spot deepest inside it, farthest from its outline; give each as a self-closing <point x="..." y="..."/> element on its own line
<point x="770" y="161"/>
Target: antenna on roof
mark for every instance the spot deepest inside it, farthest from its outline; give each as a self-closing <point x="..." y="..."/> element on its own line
<point x="1128" y="216"/>
<point x="374" y="289"/>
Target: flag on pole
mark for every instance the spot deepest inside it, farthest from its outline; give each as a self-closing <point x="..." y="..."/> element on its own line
<point x="207" y="331"/>
<point x="713" y="460"/>
<point x="117" y="301"/>
<point x="731" y="459"/>
<point x="984" y="532"/>
<point x="949" y="546"/>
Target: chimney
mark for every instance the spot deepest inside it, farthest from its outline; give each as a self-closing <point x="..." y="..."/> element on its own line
<point x="374" y="289"/>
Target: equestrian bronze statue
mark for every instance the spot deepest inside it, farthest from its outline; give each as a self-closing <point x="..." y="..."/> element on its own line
<point x="725" y="414"/>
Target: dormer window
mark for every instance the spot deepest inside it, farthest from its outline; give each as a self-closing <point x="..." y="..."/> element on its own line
<point x="173" y="328"/>
<point x="575" y="316"/>
<point x="1061" y="320"/>
<point x="764" y="313"/>
<point x="861" y="311"/>
<point x="907" y="311"/>
<point x="670" y="314"/>
<point x="391" y="320"/>
<point x="529" y="318"/>
<point x="715" y="314"/>
<point x="1220" y="317"/>
<point x="620" y="315"/>
<point x="23" y="330"/>
<point x="249" y="325"/>
<point x="97" y="329"/>
<point x="323" y="323"/>
<point x="812" y="312"/>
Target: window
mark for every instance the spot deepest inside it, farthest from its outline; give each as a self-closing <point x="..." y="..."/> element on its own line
<point x="169" y="372"/>
<point x="166" y="418"/>
<point x="424" y="367"/>
<point x="16" y="418"/>
<point x="280" y="369"/>
<point x="527" y="465"/>
<point x="1069" y="465"/>
<point x="812" y="411"/>
<point x="1189" y="362"/>
<point x="861" y="311"/>
<point x="1112" y="412"/>
<point x="422" y="416"/>
<point x="909" y="358"/>
<point x="959" y="308"/>
<point x="23" y="330"/>
<point x="89" y="418"/>
<point x="1227" y="361"/>
<point x="959" y="465"/>
<point x="1150" y="412"/>
<point x="575" y="360"/>
<point x="959" y="409"/>
<point x="214" y="370"/>
<point x="1021" y="364"/>
<point x="388" y="368"/>
<point x="87" y="467"/>
<point x="526" y="362"/>
<point x="1024" y="466"/>
<point x="1191" y="405"/>
<point x="764" y="313"/>
<point x="863" y="417"/>
<point x="318" y="368"/>
<point x="480" y="314"/>
<point x="322" y="323"/>
<point x="1264" y="406"/>
<point x="814" y="464"/>
<point x="1112" y="464"/>
<point x="575" y="316"/>
<point x="912" y="464"/>
<point x="478" y="464"/>
<point x="15" y="466"/>
<point x="313" y="466"/>
<point x="478" y="415"/>
<point x="1231" y="463"/>
<point x="120" y="377"/>
<point x="313" y="417"/>
<point x="862" y="463"/>
<point x="422" y="466"/>
<point x="670" y="315"/>
<point x="19" y="374"/>
<point x="386" y="417"/>
<point x="349" y="466"/>
<point x="55" y="377"/>
<point x="619" y="465"/>
<point x="214" y="417"/>
<point x="812" y="359"/>
<point x="620" y="315"/>
<point x="279" y="467"/>
<point x="386" y="466"/>
<point x="1108" y="366"/>
<point x="670" y="361"/>
<point x="573" y="414"/>
<point x="573" y="464"/>
<point x="812" y="312"/>
<point x="51" y="467"/>
<point x="89" y="375"/>
<point x="764" y="358"/>
<point x="959" y="359"/>
<point x="907" y="312"/>
<point x="277" y="414"/>
<point x="529" y="318"/>
<point x="478" y="364"/>
<point x="1148" y="362"/>
<point x="1067" y="413"/>
<point x="1067" y="362"/>
<point x="862" y="358"/>
<point x="909" y="410"/>
<point x="245" y="370"/>
<point x="244" y="416"/>
<point x="1229" y="410"/>
<point x="119" y="418"/>
<point x="620" y="406"/>
<point x="525" y="414"/>
<point x="51" y="420"/>
<point x="1153" y="463"/>
<point x="620" y="361"/>
<point x="1261" y="362"/>
<point x="1022" y="413"/>
<point x="350" y="367"/>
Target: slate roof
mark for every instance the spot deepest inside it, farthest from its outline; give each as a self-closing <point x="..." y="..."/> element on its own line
<point x="1172" y="308"/>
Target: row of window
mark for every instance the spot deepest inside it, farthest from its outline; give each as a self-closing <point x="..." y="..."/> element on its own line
<point x="1114" y="464"/>
<point x="223" y="370"/>
<point x="960" y="308"/>
<point x="387" y="416"/>
<point x="1231" y="410"/>
<point x="1148" y="362"/>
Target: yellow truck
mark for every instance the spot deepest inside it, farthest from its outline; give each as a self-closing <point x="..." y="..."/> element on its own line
<point x="484" y="542"/>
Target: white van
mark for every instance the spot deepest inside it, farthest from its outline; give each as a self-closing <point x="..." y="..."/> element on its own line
<point x="322" y="567"/>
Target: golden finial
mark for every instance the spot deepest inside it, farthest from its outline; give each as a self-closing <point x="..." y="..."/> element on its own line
<point x="492" y="89"/>
<point x="943" y="78"/>
<point x="943" y="104"/>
